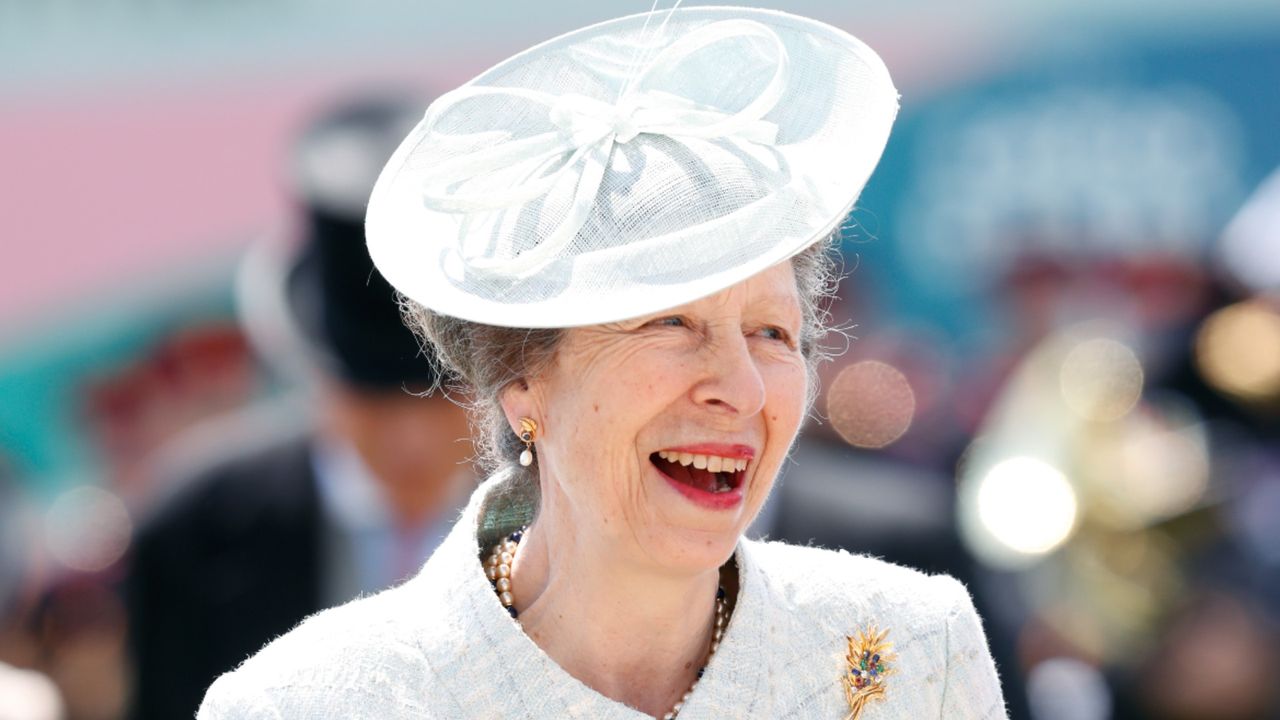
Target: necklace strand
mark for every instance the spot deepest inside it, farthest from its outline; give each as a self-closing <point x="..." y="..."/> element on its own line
<point x="498" y="569"/>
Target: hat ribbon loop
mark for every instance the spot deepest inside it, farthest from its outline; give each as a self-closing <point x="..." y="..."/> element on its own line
<point x="586" y="131"/>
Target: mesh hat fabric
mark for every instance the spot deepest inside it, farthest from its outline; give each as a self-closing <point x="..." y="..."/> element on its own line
<point x="630" y="167"/>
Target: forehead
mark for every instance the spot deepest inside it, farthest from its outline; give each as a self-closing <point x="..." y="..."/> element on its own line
<point x="773" y="289"/>
<point x="770" y="297"/>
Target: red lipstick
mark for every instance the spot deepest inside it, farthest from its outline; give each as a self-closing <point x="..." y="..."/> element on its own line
<point x="737" y="452"/>
<point x="723" y="490"/>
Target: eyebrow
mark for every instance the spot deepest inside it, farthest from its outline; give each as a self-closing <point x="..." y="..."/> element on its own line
<point x="780" y="298"/>
<point x="785" y="300"/>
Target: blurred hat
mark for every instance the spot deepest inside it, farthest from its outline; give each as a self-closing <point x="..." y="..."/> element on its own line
<point x="325" y="300"/>
<point x="631" y="166"/>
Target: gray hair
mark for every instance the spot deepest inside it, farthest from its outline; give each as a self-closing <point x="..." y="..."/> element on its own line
<point x="485" y="359"/>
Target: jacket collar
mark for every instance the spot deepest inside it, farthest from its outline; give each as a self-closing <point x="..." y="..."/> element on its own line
<point x="498" y="656"/>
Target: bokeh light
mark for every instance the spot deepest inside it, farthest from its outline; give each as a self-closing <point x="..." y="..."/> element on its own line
<point x="1026" y="506"/>
<point x="27" y="695"/>
<point x="1068" y="689"/>
<point x="1255" y="520"/>
<point x="1152" y="466"/>
<point x="1238" y="350"/>
<point x="88" y="528"/>
<point x="871" y="404"/>
<point x="1101" y="379"/>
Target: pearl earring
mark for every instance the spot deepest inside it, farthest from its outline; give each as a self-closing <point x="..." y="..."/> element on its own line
<point x="528" y="433"/>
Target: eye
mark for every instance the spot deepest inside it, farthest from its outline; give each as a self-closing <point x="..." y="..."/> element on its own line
<point x="669" y="321"/>
<point x="775" y="333"/>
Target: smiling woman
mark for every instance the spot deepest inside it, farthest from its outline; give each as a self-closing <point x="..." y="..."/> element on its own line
<point x="619" y="242"/>
<point x="713" y="380"/>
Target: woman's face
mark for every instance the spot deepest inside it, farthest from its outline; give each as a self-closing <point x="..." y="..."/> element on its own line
<point x="661" y="437"/>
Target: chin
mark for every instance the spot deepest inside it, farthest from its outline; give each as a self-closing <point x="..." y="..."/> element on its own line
<point x="691" y="551"/>
<point x="699" y="531"/>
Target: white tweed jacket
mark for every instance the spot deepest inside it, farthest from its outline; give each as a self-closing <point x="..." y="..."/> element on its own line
<point x="441" y="646"/>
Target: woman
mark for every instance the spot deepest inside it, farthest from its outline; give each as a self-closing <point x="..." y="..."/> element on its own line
<point x="619" y="242"/>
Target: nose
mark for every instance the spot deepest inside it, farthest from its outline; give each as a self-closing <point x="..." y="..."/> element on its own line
<point x="732" y="383"/>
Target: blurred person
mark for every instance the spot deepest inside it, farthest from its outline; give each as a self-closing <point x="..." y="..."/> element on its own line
<point x="80" y="627"/>
<point x="1217" y="652"/>
<point x="623" y="250"/>
<point x="190" y="374"/>
<point x="1217" y="659"/>
<point x="1172" y="491"/>
<point x="272" y="518"/>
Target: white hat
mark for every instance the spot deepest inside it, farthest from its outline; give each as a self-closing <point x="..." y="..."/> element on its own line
<point x="630" y="167"/>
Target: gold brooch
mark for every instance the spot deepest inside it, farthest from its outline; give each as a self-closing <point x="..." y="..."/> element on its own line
<point x="870" y="660"/>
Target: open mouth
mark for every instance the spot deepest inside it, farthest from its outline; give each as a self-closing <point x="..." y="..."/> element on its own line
<point x="708" y="473"/>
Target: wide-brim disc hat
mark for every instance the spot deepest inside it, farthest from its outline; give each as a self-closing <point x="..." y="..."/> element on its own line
<point x="630" y="167"/>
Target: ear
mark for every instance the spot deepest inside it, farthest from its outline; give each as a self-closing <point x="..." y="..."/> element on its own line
<point x="519" y="400"/>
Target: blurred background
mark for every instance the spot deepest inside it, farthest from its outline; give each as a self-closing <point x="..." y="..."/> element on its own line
<point x="1060" y="376"/>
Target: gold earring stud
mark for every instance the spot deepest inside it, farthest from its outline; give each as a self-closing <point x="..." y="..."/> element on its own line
<point x="528" y="433"/>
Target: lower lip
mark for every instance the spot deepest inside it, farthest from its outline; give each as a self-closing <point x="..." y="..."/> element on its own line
<point x="726" y="500"/>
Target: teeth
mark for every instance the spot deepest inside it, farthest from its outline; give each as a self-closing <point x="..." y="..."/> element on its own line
<point x="710" y="463"/>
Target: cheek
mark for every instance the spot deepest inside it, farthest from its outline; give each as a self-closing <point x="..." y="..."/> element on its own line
<point x="599" y="412"/>
<point x="786" y="389"/>
<point x="622" y="396"/>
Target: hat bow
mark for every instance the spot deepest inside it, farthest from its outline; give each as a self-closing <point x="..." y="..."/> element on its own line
<point x="586" y="131"/>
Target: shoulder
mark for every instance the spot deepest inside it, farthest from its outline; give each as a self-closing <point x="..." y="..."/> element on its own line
<point x="818" y="580"/>
<point x="819" y="597"/>
<point x="231" y="455"/>
<point x="263" y="483"/>
<point x="821" y="604"/>
<point x="356" y="660"/>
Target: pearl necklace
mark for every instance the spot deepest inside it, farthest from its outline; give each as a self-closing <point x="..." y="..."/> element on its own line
<point x="498" y="569"/>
